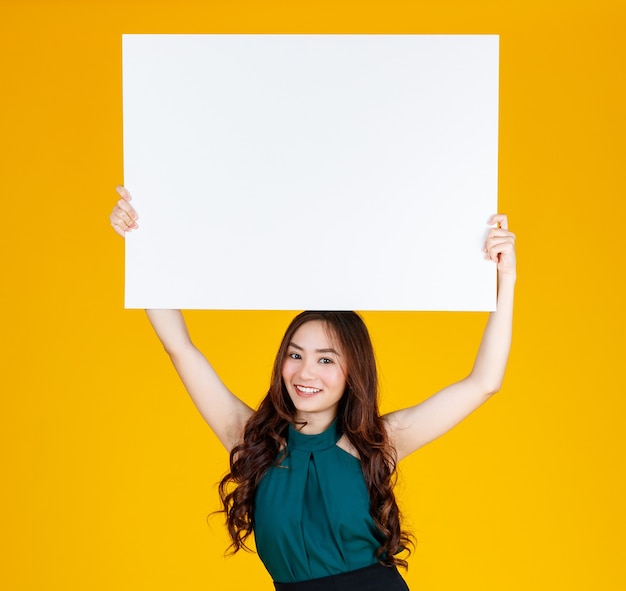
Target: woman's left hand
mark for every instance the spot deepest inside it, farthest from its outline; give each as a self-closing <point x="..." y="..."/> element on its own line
<point x="500" y="245"/>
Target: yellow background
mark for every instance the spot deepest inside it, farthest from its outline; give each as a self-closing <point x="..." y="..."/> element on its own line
<point x="108" y="473"/>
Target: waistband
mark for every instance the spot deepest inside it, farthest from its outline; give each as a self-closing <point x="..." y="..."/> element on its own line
<point x="371" y="578"/>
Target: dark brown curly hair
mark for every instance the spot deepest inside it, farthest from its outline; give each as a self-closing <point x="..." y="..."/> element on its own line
<point x="265" y="437"/>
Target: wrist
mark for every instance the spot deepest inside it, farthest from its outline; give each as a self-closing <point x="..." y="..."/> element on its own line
<point x="507" y="277"/>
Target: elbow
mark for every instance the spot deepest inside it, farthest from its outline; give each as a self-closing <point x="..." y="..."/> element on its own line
<point x="491" y="391"/>
<point x="170" y="349"/>
<point x="487" y="387"/>
<point x="177" y="349"/>
<point x="491" y="388"/>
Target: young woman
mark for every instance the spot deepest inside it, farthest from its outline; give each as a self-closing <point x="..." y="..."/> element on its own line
<point x="312" y="469"/>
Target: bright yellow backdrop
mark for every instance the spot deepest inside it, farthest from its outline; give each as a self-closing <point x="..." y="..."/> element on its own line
<point x="108" y="472"/>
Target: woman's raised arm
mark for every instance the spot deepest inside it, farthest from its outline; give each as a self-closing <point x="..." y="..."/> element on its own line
<point x="414" y="427"/>
<point x="222" y="410"/>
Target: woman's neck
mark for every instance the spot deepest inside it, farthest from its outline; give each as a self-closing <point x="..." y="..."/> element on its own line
<point x="316" y="422"/>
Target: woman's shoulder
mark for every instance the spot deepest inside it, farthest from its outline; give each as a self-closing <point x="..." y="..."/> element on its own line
<point x="346" y="445"/>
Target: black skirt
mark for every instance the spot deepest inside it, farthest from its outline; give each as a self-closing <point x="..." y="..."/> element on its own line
<point x="371" y="578"/>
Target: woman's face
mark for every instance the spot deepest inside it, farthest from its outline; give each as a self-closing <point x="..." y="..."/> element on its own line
<point x="314" y="373"/>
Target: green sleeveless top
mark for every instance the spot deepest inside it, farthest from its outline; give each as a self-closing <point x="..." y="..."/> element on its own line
<point x="311" y="514"/>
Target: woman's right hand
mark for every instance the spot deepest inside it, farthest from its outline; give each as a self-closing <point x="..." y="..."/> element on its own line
<point x="123" y="217"/>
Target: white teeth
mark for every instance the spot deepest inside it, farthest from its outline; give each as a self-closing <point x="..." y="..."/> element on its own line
<point x="308" y="390"/>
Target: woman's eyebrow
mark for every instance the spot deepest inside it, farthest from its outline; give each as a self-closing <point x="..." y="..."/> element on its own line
<point x="327" y="351"/>
<point x="330" y="350"/>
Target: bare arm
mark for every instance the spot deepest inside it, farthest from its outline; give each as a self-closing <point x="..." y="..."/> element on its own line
<point x="414" y="427"/>
<point x="223" y="411"/>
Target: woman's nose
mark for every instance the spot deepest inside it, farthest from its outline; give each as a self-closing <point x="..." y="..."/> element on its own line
<point x="307" y="370"/>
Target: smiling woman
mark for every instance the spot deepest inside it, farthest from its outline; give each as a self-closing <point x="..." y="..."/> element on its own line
<point x="312" y="470"/>
<point x="321" y="451"/>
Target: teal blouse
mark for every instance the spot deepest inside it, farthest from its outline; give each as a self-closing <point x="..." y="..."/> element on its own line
<point x="311" y="515"/>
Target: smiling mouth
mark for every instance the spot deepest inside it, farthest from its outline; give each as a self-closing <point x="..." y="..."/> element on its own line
<point x="307" y="391"/>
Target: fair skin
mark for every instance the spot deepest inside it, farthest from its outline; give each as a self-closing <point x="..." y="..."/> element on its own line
<point x="314" y="374"/>
<point x="314" y="384"/>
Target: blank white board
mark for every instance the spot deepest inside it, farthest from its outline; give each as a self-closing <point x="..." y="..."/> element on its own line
<point x="310" y="171"/>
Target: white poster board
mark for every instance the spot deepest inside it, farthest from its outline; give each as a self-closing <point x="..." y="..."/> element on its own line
<point x="310" y="171"/>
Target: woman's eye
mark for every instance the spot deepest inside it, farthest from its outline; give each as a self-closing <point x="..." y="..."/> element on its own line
<point x="294" y="355"/>
<point x="325" y="360"/>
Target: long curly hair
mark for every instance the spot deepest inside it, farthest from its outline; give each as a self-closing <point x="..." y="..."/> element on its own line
<point x="265" y="437"/>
